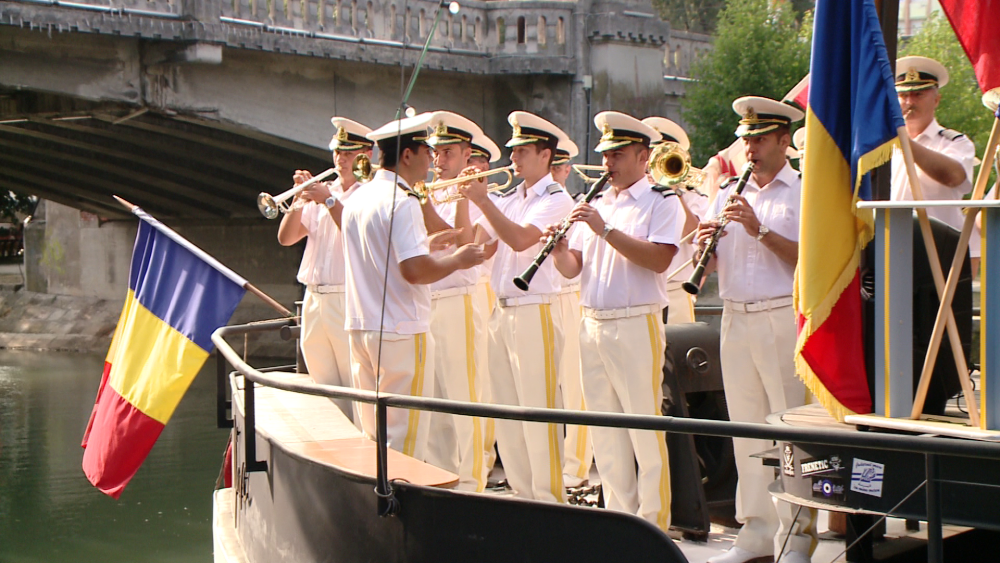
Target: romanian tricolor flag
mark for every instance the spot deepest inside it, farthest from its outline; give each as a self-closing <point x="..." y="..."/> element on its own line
<point x="177" y="297"/>
<point x="851" y="124"/>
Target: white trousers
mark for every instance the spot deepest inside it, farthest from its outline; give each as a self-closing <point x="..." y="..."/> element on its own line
<point x="325" y="344"/>
<point x="486" y="300"/>
<point x="681" y="307"/>
<point x="622" y="362"/>
<point x="758" y="372"/>
<point x="407" y="367"/>
<point x="579" y="448"/>
<point x="456" y="442"/>
<point x="525" y="344"/>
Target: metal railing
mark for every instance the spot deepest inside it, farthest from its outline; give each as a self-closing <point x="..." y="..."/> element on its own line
<point x="930" y="447"/>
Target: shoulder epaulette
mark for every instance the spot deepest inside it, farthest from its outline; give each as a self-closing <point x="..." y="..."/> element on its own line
<point x="950" y="134"/>
<point x="409" y="191"/>
<point x="506" y="191"/>
<point x="726" y="182"/>
<point x="665" y="191"/>
<point x="554" y="188"/>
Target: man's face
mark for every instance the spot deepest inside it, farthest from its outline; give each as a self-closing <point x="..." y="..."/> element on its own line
<point x="529" y="160"/>
<point x="451" y="159"/>
<point x="560" y="172"/>
<point x="767" y="151"/>
<point x="343" y="161"/>
<point x="419" y="159"/>
<point x="919" y="106"/>
<point x="626" y="164"/>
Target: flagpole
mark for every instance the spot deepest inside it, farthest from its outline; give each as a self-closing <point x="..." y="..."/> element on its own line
<point x="267" y="299"/>
<point x="939" y="284"/>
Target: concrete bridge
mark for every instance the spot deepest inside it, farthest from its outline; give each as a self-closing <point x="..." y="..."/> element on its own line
<point x="189" y="108"/>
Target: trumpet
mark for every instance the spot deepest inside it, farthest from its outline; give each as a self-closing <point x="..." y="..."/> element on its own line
<point x="430" y="191"/>
<point x="582" y="169"/>
<point x="270" y="206"/>
<point x="670" y="165"/>
<point x="363" y="169"/>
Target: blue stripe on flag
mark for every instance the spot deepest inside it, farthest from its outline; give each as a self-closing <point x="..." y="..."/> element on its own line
<point x="181" y="289"/>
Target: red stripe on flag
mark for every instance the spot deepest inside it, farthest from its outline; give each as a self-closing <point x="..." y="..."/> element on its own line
<point x="970" y="20"/>
<point x="121" y="437"/>
<point x="97" y="403"/>
<point x="835" y="351"/>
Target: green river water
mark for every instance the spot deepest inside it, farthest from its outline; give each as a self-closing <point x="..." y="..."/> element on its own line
<point x="49" y="512"/>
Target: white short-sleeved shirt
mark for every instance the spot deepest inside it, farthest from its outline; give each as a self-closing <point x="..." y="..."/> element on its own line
<point x="748" y="270"/>
<point x="951" y="144"/>
<point x="365" y="223"/>
<point x="698" y="204"/>
<point x="458" y="278"/>
<point x="541" y="204"/>
<point x="609" y="280"/>
<point x="323" y="258"/>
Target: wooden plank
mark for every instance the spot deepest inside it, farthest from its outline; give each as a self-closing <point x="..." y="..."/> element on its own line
<point x="954" y="427"/>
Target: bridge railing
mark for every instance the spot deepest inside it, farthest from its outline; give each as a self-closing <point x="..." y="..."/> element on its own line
<point x="486" y="27"/>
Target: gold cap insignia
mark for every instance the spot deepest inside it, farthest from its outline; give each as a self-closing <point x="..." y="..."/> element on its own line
<point x="608" y="132"/>
<point x="441" y="129"/>
<point x="912" y="75"/>
<point x="341" y="134"/>
<point x="751" y="115"/>
<point x="516" y="126"/>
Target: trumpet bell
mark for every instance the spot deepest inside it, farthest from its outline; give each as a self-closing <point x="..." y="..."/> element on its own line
<point x="362" y="168"/>
<point x="670" y="165"/>
<point x="267" y="206"/>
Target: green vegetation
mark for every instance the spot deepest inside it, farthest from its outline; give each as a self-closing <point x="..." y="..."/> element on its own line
<point x="760" y="49"/>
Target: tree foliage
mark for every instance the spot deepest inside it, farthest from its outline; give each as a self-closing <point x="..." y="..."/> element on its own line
<point x="13" y="206"/>
<point x="759" y="50"/>
<point x="961" y="105"/>
<point x="701" y="16"/>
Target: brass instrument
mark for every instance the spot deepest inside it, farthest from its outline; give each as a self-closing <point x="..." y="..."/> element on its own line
<point x="363" y="169"/>
<point x="429" y="191"/>
<point x="670" y="165"/>
<point x="271" y="206"/>
<point x="582" y="169"/>
<point x="693" y="285"/>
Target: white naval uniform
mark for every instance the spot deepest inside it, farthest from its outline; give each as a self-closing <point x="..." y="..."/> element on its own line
<point x="681" y="302"/>
<point x="953" y="145"/>
<point x="407" y="348"/>
<point x="487" y="300"/>
<point x="324" y="341"/>
<point x="622" y="346"/>
<point x="456" y="442"/>
<point x="758" y="356"/>
<point x="579" y="445"/>
<point x="525" y="343"/>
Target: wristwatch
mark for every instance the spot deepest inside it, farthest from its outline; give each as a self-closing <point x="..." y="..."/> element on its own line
<point x="761" y="232"/>
<point x="332" y="200"/>
<point x="607" y="230"/>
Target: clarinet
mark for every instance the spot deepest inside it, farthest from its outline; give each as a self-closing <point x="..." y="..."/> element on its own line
<point x="522" y="281"/>
<point x="693" y="285"/>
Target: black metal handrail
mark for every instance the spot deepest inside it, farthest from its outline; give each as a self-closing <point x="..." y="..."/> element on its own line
<point x="930" y="447"/>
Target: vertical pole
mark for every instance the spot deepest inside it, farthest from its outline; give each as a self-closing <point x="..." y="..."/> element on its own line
<point x="989" y="322"/>
<point x="250" y="429"/>
<point x="382" y="487"/>
<point x="222" y="402"/>
<point x="894" y="312"/>
<point x="935" y="545"/>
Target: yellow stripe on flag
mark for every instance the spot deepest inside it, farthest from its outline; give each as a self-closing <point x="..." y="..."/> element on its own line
<point x="829" y="246"/>
<point x="156" y="365"/>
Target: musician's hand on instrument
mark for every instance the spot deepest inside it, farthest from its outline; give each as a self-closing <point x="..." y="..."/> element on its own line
<point x="474" y="190"/>
<point x="584" y="212"/>
<point x="317" y="192"/>
<point x="562" y="245"/>
<point x="705" y="231"/>
<point x="469" y="255"/>
<point x="739" y="211"/>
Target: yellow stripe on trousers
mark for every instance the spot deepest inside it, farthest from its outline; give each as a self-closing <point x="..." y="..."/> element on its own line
<point x="420" y="351"/>
<point x="470" y="370"/>
<point x="663" y="516"/>
<point x="551" y="387"/>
